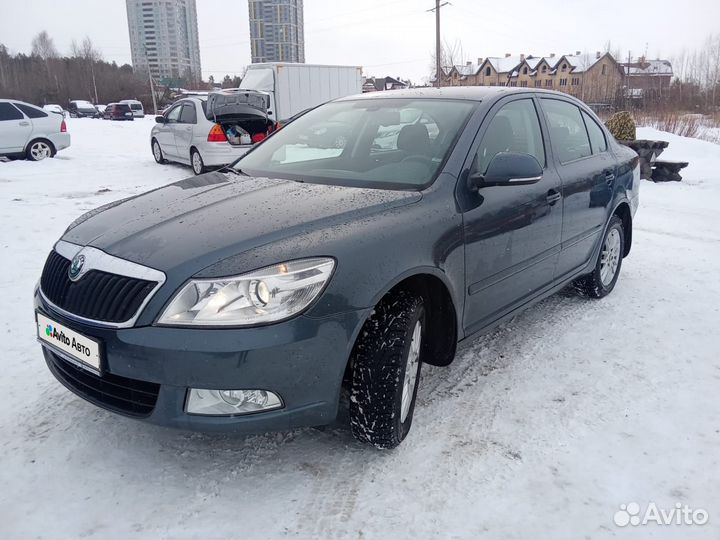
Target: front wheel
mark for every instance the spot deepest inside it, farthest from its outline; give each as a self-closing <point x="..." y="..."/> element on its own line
<point x="386" y="371"/>
<point x="196" y="160"/>
<point x="157" y="152"/>
<point x="603" y="278"/>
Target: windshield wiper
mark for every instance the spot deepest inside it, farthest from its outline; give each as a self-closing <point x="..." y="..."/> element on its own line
<point x="238" y="172"/>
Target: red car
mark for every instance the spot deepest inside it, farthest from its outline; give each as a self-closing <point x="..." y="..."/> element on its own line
<point x="118" y="111"/>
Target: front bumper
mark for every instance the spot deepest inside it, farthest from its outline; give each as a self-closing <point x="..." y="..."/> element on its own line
<point x="303" y="360"/>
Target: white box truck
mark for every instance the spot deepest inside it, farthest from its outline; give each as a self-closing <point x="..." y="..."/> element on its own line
<point x="292" y="88"/>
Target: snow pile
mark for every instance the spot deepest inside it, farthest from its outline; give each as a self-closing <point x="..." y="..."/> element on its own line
<point x="541" y="429"/>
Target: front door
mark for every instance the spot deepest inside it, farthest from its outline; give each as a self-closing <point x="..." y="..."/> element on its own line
<point x="15" y="129"/>
<point x="166" y="132"/>
<point x="588" y="173"/>
<point x="512" y="232"/>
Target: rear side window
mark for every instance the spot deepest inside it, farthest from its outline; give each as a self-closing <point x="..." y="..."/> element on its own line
<point x="188" y="116"/>
<point x="30" y="112"/>
<point x="567" y="130"/>
<point x="597" y="137"/>
<point x="515" y="128"/>
<point x="8" y="112"/>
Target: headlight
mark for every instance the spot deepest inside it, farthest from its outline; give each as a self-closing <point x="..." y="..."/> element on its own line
<point x="262" y="296"/>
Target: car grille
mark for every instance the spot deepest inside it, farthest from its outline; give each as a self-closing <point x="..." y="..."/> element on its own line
<point x="119" y="394"/>
<point x="98" y="295"/>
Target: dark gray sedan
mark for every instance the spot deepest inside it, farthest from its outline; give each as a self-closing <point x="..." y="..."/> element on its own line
<point x="311" y="278"/>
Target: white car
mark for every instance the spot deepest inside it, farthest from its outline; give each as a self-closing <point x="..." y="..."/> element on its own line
<point x="52" y="107"/>
<point x="28" y="131"/>
<point x="210" y="132"/>
<point x="135" y="106"/>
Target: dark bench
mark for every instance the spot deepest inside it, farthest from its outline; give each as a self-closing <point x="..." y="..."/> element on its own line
<point x="648" y="151"/>
<point x="667" y="171"/>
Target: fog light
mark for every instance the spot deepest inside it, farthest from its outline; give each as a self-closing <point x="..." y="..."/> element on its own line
<point x="230" y="402"/>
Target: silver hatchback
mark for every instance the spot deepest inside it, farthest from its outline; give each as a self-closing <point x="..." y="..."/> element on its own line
<point x="190" y="133"/>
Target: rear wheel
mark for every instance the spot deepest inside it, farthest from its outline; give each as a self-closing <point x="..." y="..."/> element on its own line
<point x="196" y="160"/>
<point x="386" y="371"/>
<point x="157" y="152"/>
<point x="39" y="150"/>
<point x="603" y="278"/>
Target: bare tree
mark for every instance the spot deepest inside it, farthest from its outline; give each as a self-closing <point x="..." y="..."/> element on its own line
<point x="450" y="55"/>
<point x="91" y="55"/>
<point x="43" y="46"/>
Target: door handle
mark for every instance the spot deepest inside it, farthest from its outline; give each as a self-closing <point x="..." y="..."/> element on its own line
<point x="553" y="196"/>
<point x="24" y="123"/>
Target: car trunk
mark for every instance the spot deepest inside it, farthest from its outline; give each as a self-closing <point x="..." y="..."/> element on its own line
<point x="243" y="115"/>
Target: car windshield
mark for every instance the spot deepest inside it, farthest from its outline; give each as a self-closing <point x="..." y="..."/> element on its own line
<point x="390" y="143"/>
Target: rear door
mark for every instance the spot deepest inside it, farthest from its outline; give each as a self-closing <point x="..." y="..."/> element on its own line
<point x="15" y="129"/>
<point x="512" y="232"/>
<point x="165" y="134"/>
<point x="183" y="130"/>
<point x="587" y="171"/>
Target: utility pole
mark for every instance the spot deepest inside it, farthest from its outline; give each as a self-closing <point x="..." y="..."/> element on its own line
<point x="152" y="91"/>
<point x="152" y="84"/>
<point x="438" y="55"/>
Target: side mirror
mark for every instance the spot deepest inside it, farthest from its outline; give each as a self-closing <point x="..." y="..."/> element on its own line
<point x="508" y="169"/>
<point x="160" y="119"/>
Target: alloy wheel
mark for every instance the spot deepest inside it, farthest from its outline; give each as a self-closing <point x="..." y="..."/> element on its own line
<point x="610" y="257"/>
<point x="40" y="151"/>
<point x="197" y="163"/>
<point x="412" y="364"/>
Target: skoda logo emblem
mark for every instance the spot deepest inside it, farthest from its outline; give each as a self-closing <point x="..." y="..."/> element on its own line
<point x="76" y="266"/>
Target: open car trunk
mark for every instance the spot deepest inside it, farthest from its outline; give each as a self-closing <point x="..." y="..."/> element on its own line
<point x="243" y="115"/>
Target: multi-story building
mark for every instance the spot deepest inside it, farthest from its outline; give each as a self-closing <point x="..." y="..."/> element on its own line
<point x="276" y="31"/>
<point x="593" y="78"/>
<point x="164" y="38"/>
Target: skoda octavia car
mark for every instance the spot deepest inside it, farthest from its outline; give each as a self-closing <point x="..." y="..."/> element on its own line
<point x="304" y="280"/>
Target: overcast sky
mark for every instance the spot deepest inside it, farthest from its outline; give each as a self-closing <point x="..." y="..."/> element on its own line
<point x="390" y="37"/>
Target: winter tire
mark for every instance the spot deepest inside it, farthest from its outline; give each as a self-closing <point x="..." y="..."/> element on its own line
<point x="196" y="161"/>
<point x="386" y="370"/>
<point x="157" y="152"/>
<point x="602" y="280"/>
<point x="39" y="150"/>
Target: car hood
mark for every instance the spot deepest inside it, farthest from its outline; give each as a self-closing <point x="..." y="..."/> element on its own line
<point x="204" y="219"/>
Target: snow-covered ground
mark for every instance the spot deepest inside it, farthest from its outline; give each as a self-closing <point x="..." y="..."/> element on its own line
<point x="541" y="429"/>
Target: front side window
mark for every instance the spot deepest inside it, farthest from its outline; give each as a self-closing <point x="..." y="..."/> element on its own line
<point x="515" y="128"/>
<point x="8" y="112"/>
<point x="389" y="143"/>
<point x="597" y="137"/>
<point x="173" y="115"/>
<point x="567" y="130"/>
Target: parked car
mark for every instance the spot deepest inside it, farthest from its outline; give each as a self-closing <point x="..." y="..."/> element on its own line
<point x="118" y="111"/>
<point x="57" y="109"/>
<point x="305" y="279"/>
<point x="30" y="132"/>
<point x="136" y="107"/>
<point x="79" y="108"/>
<point x="101" y="109"/>
<point x="210" y="132"/>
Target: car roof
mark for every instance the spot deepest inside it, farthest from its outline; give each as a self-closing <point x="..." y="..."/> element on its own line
<point x="469" y="93"/>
